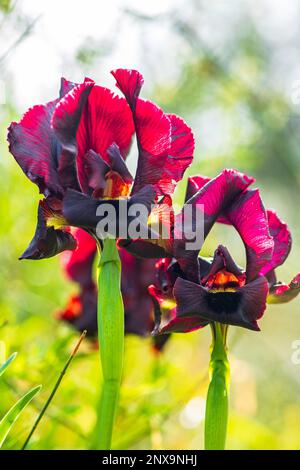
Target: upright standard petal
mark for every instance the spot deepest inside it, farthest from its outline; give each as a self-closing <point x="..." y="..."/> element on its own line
<point x="248" y="216"/>
<point x="165" y="142"/>
<point x="208" y="204"/>
<point x="65" y="122"/>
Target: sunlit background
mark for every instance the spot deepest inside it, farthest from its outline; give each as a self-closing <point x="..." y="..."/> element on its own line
<point x="232" y="71"/>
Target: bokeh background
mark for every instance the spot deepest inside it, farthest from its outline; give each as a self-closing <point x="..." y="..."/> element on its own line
<point x="232" y="71"/>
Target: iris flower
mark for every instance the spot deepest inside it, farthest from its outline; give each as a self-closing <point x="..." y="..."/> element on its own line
<point x="74" y="149"/>
<point x="137" y="274"/>
<point x="219" y="290"/>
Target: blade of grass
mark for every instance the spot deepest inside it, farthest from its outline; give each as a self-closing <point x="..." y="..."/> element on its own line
<point x="12" y="415"/>
<point x="54" y="390"/>
<point x="4" y="366"/>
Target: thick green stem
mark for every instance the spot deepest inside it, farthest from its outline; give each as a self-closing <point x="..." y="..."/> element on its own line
<point x="111" y="342"/>
<point x="216" y="415"/>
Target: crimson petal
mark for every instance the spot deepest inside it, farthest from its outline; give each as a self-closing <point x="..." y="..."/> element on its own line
<point x="210" y="202"/>
<point x="282" y="242"/>
<point x="65" y="122"/>
<point x="34" y="146"/>
<point x="130" y="83"/>
<point x="248" y="216"/>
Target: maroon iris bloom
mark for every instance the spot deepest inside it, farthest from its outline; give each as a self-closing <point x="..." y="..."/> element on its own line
<point x="137" y="274"/>
<point x="74" y="148"/>
<point x="219" y="290"/>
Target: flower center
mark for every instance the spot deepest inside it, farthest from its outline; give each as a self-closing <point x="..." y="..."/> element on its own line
<point x="224" y="281"/>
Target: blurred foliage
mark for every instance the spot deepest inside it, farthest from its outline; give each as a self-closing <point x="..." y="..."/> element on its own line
<point x="242" y="118"/>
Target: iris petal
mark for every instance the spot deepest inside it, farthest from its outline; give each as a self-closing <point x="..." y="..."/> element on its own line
<point x="47" y="241"/>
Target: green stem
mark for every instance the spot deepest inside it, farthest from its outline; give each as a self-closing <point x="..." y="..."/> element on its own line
<point x="111" y="342"/>
<point x="216" y="415"/>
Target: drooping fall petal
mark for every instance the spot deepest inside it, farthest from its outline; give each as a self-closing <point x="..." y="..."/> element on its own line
<point x="242" y="307"/>
<point x="47" y="240"/>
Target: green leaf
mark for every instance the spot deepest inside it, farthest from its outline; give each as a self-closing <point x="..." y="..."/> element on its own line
<point x="13" y="414"/>
<point x="4" y="366"/>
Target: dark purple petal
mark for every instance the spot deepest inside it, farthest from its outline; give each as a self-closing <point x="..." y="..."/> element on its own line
<point x="242" y="307"/>
<point x="47" y="241"/>
<point x="118" y="164"/>
<point x="92" y="172"/>
<point x="80" y="210"/>
<point x="184" y="324"/>
<point x="143" y="248"/>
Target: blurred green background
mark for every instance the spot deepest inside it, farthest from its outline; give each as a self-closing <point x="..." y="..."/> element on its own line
<point x="232" y="71"/>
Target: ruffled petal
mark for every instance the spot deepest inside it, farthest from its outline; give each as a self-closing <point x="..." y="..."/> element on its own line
<point x="165" y="142"/>
<point x="47" y="241"/>
<point x="208" y="204"/>
<point x="241" y="308"/>
<point x="65" y="86"/>
<point x="282" y="242"/>
<point x="130" y="83"/>
<point x="282" y="293"/>
<point x="248" y="216"/>
<point x="34" y="146"/>
<point x="180" y="155"/>
<point x="194" y="184"/>
<point x="78" y="264"/>
<point x="65" y="122"/>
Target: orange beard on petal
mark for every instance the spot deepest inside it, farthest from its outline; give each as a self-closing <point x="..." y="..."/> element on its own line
<point x="224" y="281"/>
<point x="115" y="186"/>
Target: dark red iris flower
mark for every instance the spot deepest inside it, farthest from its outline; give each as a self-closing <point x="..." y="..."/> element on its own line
<point x="137" y="274"/>
<point x="74" y="148"/>
<point x="218" y="289"/>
